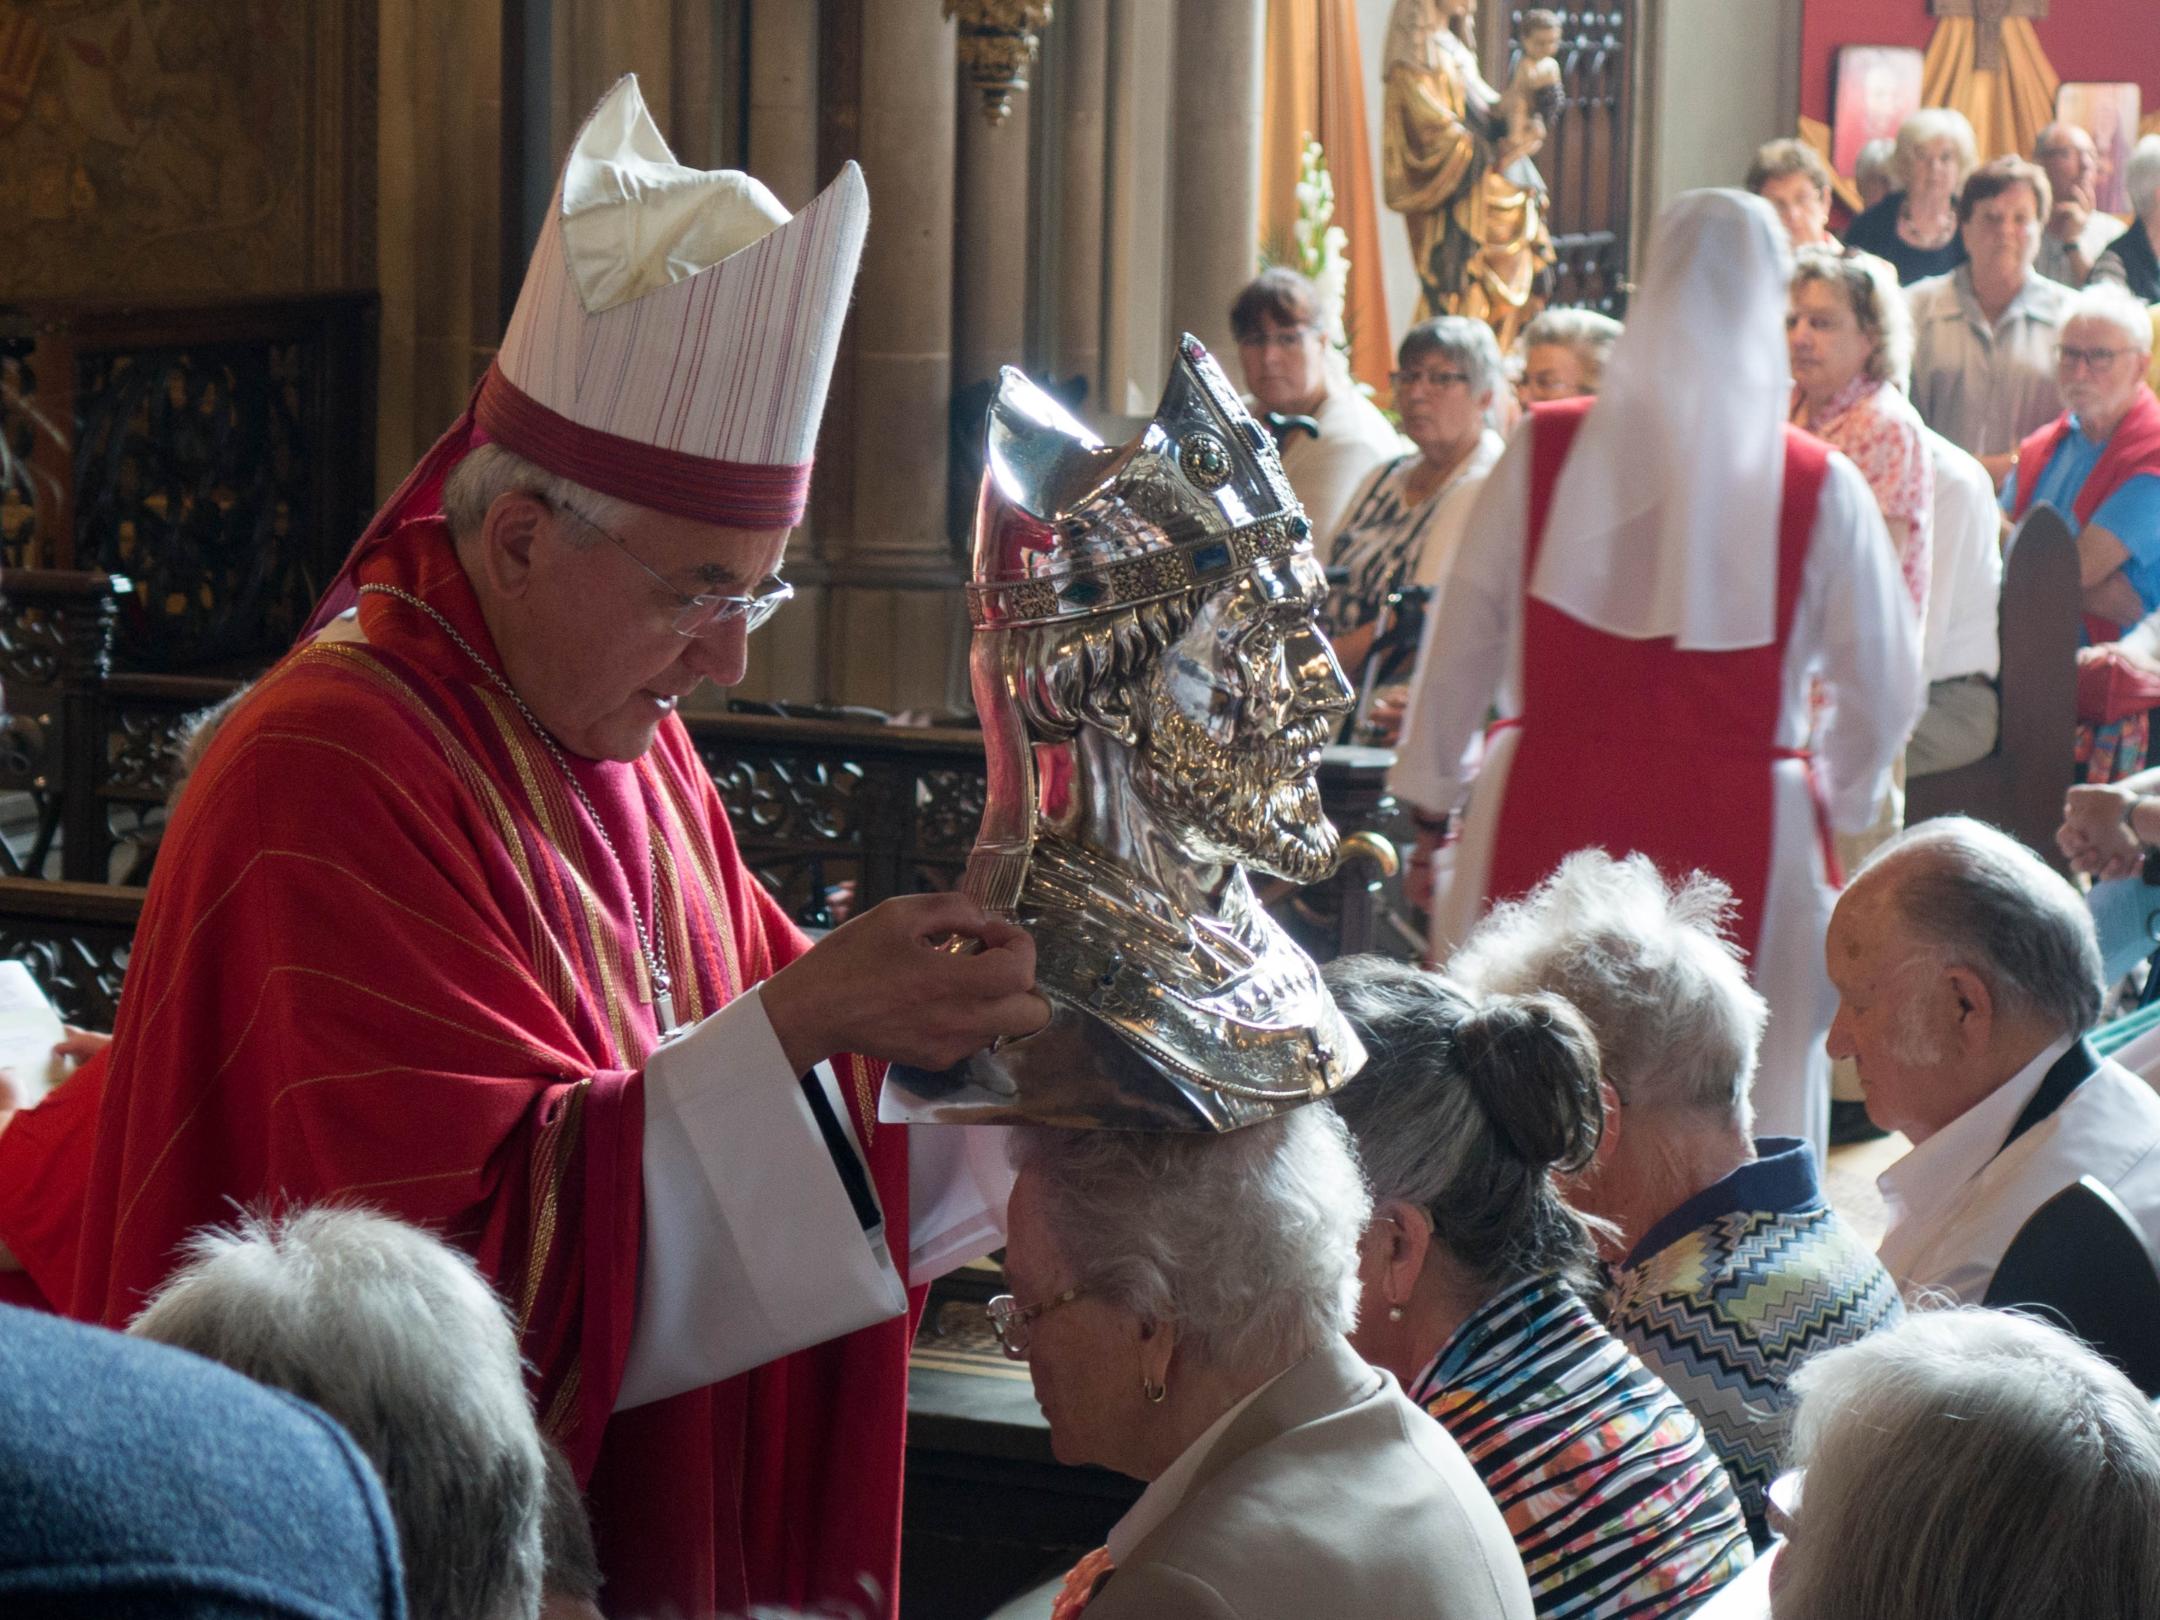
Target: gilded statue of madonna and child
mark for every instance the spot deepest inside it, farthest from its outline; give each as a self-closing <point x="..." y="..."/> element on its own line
<point x="1456" y="162"/>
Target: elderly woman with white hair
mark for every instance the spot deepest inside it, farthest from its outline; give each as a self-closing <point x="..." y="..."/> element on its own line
<point x="1181" y="1301"/>
<point x="2130" y="262"/>
<point x="1915" y="228"/>
<point x="1478" y="1277"/>
<point x="397" y="1336"/>
<point x="1871" y="171"/>
<point x="1729" y="1267"/>
<point x="1968" y="1465"/>
<point x="1850" y="338"/>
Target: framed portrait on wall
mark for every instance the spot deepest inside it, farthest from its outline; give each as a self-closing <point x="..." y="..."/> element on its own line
<point x="2109" y="114"/>
<point x="1878" y="86"/>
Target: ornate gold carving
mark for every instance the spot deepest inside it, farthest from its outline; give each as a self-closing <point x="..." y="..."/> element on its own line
<point x="998" y="42"/>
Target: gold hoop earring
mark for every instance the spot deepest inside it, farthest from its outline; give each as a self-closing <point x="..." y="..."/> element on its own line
<point x="1153" y="1391"/>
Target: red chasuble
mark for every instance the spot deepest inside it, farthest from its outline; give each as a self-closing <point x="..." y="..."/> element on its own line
<point x="386" y="959"/>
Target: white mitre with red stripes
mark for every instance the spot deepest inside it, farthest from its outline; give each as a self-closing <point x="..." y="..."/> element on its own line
<point x="676" y="329"/>
<point x="672" y="342"/>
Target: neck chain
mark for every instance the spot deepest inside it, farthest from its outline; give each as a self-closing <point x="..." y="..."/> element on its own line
<point x="648" y="931"/>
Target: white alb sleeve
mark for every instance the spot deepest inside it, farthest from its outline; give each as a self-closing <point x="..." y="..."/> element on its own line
<point x="763" y="1234"/>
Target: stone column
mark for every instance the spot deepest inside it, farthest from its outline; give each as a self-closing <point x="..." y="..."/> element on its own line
<point x="1215" y="159"/>
<point x="1077" y="51"/>
<point x="787" y="660"/>
<point x="1141" y="85"/>
<point x="991" y="241"/>
<point x="439" y="245"/>
<point x="897" y="622"/>
<point x="688" y="68"/>
<point x="595" y="43"/>
<point x="783" y="98"/>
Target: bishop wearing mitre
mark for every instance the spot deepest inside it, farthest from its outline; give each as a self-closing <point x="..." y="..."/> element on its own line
<point x="450" y="922"/>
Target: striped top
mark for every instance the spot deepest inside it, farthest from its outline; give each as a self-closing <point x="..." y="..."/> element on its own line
<point x="1618" y="1506"/>
<point x="1731" y="1291"/>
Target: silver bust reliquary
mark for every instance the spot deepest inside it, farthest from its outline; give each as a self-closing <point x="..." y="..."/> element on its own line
<point x="1154" y="690"/>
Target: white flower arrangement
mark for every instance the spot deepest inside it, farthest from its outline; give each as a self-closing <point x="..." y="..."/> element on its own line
<point x="1320" y="251"/>
<point x="1322" y="245"/>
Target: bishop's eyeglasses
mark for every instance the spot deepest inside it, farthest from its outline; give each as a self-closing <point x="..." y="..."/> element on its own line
<point x="697" y="614"/>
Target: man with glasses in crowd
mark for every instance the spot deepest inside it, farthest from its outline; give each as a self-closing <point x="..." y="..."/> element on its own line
<point x="451" y="921"/>
<point x="2076" y="233"/>
<point x="2099" y="461"/>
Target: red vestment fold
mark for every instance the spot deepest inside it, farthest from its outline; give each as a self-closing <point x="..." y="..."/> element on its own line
<point x="387" y="958"/>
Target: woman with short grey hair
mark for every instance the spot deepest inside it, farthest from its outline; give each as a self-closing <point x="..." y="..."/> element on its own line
<point x="1478" y="1276"/>
<point x="1970" y="1465"/>
<point x="1181" y="1300"/>
<point x="1730" y="1268"/>
<point x="1850" y="338"/>
<point x="398" y="1337"/>
<point x="1871" y="171"/>
<point x="1407" y="517"/>
<point x="1564" y="353"/>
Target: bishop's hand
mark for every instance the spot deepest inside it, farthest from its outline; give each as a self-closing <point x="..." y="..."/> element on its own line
<point x="882" y="985"/>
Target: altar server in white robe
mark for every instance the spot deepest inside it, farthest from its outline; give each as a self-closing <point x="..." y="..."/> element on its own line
<point x="1688" y="618"/>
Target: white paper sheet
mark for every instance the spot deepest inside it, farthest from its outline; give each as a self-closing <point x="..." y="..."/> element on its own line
<point x="28" y="1030"/>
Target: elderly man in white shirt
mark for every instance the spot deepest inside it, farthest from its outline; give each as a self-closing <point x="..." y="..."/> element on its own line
<point x="1961" y="650"/>
<point x="1967" y="975"/>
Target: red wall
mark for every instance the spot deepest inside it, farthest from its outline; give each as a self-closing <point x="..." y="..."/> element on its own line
<point x="2104" y="41"/>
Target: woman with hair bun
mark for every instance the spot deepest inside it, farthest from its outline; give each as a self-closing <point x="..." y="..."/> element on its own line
<point x="1477" y="1277"/>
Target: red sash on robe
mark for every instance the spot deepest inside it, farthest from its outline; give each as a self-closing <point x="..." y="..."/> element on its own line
<point x="385" y="958"/>
<point x="2133" y="448"/>
<point x="1635" y="746"/>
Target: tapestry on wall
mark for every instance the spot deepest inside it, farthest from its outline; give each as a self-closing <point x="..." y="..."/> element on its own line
<point x="184" y="147"/>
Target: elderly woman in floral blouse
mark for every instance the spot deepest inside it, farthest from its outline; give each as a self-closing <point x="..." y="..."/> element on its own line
<point x="1850" y="337"/>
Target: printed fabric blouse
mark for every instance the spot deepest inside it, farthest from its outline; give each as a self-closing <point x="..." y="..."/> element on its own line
<point x="1616" y="1501"/>
<point x="1881" y="434"/>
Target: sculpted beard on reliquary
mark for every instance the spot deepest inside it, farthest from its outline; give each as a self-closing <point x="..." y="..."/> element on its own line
<point x="1155" y="692"/>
